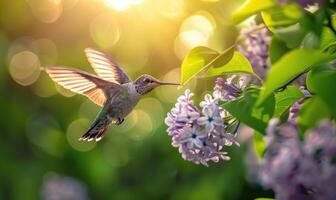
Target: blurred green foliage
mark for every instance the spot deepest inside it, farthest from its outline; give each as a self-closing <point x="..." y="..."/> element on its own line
<point x="40" y="124"/>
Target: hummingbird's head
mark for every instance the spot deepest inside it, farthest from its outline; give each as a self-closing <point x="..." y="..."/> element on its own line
<point x="146" y="83"/>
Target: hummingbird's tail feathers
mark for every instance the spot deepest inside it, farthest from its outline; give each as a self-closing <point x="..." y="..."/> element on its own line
<point x="94" y="135"/>
<point x="101" y="134"/>
<point x="96" y="132"/>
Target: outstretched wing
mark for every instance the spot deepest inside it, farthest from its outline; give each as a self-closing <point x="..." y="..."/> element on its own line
<point x="105" y="66"/>
<point x="80" y="82"/>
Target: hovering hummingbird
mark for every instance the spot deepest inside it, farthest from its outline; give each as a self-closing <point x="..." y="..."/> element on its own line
<point x="111" y="89"/>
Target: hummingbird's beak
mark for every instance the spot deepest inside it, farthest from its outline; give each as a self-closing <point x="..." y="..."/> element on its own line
<point x="167" y="83"/>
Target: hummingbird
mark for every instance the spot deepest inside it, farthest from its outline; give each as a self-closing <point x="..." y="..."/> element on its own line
<point x="111" y="89"/>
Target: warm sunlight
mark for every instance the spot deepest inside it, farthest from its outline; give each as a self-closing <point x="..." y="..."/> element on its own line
<point x="168" y="99"/>
<point x="121" y="5"/>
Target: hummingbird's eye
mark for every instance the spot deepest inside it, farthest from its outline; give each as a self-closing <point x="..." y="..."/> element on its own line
<point x="147" y="80"/>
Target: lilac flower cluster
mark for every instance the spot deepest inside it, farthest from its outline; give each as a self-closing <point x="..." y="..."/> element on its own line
<point x="231" y="88"/>
<point x="300" y="170"/>
<point x="294" y="109"/>
<point x="255" y="48"/>
<point x="56" y="187"/>
<point x="201" y="134"/>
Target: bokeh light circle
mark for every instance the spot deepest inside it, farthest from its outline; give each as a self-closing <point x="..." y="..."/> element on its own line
<point x="154" y="108"/>
<point x="47" y="50"/>
<point x="89" y="110"/>
<point x="75" y="130"/>
<point x="43" y="131"/>
<point x="196" y="30"/>
<point x="44" y="87"/>
<point x="47" y="11"/>
<point x="105" y="31"/>
<point x="143" y="125"/>
<point x="169" y="94"/>
<point x="171" y="8"/>
<point x="129" y="122"/>
<point x="25" y="67"/>
<point x="69" y="4"/>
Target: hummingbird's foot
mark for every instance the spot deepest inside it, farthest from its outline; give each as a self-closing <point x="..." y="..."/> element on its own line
<point x="120" y="121"/>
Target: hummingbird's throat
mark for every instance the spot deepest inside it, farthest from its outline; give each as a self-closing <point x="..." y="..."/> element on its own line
<point x="142" y="90"/>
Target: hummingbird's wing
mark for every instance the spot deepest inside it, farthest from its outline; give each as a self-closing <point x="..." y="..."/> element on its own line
<point x="105" y="66"/>
<point x="81" y="82"/>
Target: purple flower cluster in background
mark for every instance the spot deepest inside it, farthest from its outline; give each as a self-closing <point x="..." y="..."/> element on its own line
<point x="57" y="187"/>
<point x="297" y="169"/>
<point x="201" y="134"/>
<point x="255" y="48"/>
<point x="294" y="109"/>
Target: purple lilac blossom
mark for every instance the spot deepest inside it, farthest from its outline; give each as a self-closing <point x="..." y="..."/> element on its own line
<point x="199" y="134"/>
<point x="255" y="48"/>
<point x="294" y="110"/>
<point x="297" y="169"/>
<point x="56" y="187"/>
<point x="231" y="88"/>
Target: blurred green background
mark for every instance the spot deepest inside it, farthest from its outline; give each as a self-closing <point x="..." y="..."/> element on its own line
<point x="40" y="123"/>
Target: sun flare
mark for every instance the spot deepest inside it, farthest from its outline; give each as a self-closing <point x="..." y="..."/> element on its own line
<point x="122" y="5"/>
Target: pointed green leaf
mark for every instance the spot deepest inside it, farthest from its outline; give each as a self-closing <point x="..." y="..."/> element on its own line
<point x="244" y="109"/>
<point x="328" y="41"/>
<point x="250" y="8"/>
<point x="291" y="35"/>
<point x="195" y="61"/>
<point x="259" y="144"/>
<point x="289" y="67"/>
<point x="238" y="63"/>
<point x="201" y="58"/>
<point x="277" y="49"/>
<point x="311" y="112"/>
<point x="285" y="99"/>
<point x="322" y="81"/>
<point x="278" y="16"/>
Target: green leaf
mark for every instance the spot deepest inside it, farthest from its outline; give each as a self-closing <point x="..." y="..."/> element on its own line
<point x="313" y="22"/>
<point x="325" y="42"/>
<point x="285" y="99"/>
<point x="322" y="81"/>
<point x="195" y="61"/>
<point x="244" y="109"/>
<point x="331" y="48"/>
<point x="238" y="63"/>
<point x="259" y="144"/>
<point x="311" y="112"/>
<point x="200" y="59"/>
<point x="278" y="16"/>
<point x="328" y="40"/>
<point x="291" y="35"/>
<point x="311" y="41"/>
<point x="289" y="66"/>
<point x="250" y="8"/>
<point x="277" y="49"/>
